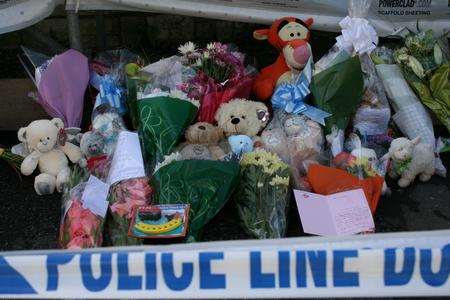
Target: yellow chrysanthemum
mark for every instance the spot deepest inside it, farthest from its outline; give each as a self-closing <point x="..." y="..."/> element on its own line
<point x="269" y="161"/>
<point x="278" y="180"/>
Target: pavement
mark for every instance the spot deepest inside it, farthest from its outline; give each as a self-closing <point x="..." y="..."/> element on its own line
<point x="29" y="221"/>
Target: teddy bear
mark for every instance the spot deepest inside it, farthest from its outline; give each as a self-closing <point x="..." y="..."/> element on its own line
<point x="242" y="117"/>
<point x="303" y="133"/>
<point x="290" y="37"/>
<point x="202" y="142"/>
<point x="409" y="159"/>
<point x="48" y="153"/>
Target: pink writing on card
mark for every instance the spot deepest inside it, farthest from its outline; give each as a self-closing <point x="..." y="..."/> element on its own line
<point x="343" y="213"/>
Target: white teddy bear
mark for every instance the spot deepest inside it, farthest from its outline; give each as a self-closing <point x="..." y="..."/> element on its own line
<point x="411" y="158"/>
<point x="48" y="152"/>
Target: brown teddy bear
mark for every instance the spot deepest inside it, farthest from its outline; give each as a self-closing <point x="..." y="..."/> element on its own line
<point x="242" y="117"/>
<point x="202" y="141"/>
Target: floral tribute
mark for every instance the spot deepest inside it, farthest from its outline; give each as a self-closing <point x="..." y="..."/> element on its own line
<point x="220" y="75"/>
<point x="262" y="194"/>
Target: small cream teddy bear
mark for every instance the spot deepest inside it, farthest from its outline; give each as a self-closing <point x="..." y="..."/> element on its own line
<point x="202" y="141"/>
<point x="411" y="158"/>
<point x="48" y="152"/>
<point x="242" y="117"/>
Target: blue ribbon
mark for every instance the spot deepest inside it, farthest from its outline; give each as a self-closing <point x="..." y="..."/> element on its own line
<point x="290" y="97"/>
<point x="110" y="93"/>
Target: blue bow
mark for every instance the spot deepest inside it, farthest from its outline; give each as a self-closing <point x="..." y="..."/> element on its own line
<point x="290" y="97"/>
<point x="110" y="93"/>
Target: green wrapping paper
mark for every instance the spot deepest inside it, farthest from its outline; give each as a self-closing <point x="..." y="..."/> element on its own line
<point x="162" y="121"/>
<point x="338" y="90"/>
<point x="204" y="184"/>
<point x="435" y="95"/>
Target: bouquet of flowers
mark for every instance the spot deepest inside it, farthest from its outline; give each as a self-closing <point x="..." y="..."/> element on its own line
<point x="262" y="194"/>
<point x="426" y="68"/>
<point x="124" y="197"/>
<point x="129" y="187"/>
<point x="205" y="185"/>
<point x="161" y="117"/>
<point x="220" y="75"/>
<point x="80" y="227"/>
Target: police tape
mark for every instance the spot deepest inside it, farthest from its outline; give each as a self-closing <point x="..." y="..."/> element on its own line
<point x="375" y="265"/>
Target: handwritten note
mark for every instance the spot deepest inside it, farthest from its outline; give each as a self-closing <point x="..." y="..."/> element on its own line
<point x="94" y="196"/>
<point x="343" y="213"/>
<point x="127" y="160"/>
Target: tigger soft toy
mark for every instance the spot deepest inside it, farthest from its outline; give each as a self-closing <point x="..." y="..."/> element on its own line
<point x="290" y="36"/>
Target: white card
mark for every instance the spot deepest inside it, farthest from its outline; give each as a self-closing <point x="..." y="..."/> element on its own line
<point x="343" y="213"/>
<point x="94" y="196"/>
<point x="127" y="161"/>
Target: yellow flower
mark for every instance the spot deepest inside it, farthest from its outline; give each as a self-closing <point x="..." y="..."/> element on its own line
<point x="270" y="162"/>
<point x="277" y="180"/>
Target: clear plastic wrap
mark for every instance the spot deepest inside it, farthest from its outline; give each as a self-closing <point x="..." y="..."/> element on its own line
<point x="80" y="227"/>
<point x="262" y="194"/>
<point x="297" y="140"/>
<point x="362" y="166"/>
<point x="124" y="197"/>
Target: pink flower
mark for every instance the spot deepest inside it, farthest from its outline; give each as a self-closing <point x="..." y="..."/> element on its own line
<point x="80" y="242"/>
<point x="120" y="208"/>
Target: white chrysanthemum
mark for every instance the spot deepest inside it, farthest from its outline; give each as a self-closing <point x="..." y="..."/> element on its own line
<point x="174" y="156"/>
<point x="206" y="55"/>
<point x="198" y="62"/>
<point x="211" y="46"/>
<point x="189" y="47"/>
<point x="260" y="184"/>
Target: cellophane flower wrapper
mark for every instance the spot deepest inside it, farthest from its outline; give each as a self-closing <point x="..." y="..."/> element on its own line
<point x="167" y="74"/>
<point x="410" y="115"/>
<point x="220" y="75"/>
<point x="80" y="228"/>
<point x="262" y="195"/>
<point x="205" y="185"/>
<point x="354" y="164"/>
<point x="425" y="65"/>
<point x="373" y="114"/>
<point x="162" y="119"/>
<point x="338" y="90"/>
<point x="298" y="141"/>
<point x="107" y="123"/>
<point x="123" y="198"/>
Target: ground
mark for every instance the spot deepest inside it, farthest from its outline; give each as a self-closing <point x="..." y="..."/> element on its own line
<point x="30" y="221"/>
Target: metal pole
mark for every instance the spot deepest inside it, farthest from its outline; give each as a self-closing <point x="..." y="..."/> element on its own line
<point x="100" y="30"/>
<point x="74" y="30"/>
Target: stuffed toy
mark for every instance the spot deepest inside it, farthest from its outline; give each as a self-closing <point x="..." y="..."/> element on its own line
<point x="274" y="140"/>
<point x="240" y="144"/>
<point x="290" y="37"/>
<point x="92" y="144"/>
<point x="240" y="116"/>
<point x="202" y="142"/>
<point x="48" y="151"/>
<point x="303" y="133"/>
<point x="409" y="159"/>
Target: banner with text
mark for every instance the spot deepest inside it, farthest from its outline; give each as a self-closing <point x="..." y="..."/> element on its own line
<point x="399" y="264"/>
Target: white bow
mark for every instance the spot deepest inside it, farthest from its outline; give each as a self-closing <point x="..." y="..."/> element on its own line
<point x="357" y="35"/>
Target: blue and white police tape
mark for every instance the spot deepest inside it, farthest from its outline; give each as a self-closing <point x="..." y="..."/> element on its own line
<point x="290" y="97"/>
<point x="392" y="264"/>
